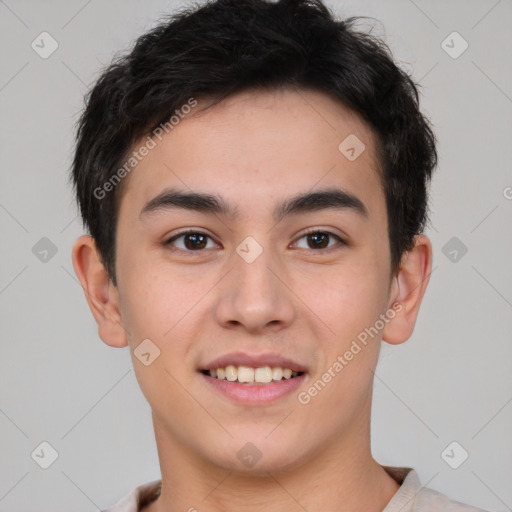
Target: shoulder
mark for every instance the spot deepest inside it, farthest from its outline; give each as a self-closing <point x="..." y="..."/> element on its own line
<point x="137" y="498"/>
<point x="413" y="497"/>
<point x="429" y="500"/>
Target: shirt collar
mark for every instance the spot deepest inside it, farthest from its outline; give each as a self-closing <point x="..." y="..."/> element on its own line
<point x="402" y="501"/>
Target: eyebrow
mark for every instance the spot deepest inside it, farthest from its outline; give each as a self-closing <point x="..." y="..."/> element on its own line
<point x="325" y="199"/>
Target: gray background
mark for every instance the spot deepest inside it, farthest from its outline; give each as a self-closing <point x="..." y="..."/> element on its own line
<point x="452" y="381"/>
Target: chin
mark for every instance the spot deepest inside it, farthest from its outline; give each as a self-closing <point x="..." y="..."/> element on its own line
<point x="259" y="456"/>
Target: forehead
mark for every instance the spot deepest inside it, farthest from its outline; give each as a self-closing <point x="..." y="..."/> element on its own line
<point x="255" y="148"/>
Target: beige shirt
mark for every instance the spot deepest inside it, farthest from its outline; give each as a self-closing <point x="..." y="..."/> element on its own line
<point x="411" y="497"/>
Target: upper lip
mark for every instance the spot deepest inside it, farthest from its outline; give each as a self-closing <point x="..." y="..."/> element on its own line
<point x="254" y="361"/>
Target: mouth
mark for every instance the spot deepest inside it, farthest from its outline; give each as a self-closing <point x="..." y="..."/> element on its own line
<point x="253" y="380"/>
<point x="249" y="376"/>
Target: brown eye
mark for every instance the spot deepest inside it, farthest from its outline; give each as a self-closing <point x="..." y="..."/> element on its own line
<point x="192" y="241"/>
<point x="320" y="240"/>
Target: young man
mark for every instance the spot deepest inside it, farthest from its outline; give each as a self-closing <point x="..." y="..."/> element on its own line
<point x="253" y="176"/>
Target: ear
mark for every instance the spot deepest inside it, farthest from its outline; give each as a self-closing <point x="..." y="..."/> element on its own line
<point x="101" y="294"/>
<point x="407" y="290"/>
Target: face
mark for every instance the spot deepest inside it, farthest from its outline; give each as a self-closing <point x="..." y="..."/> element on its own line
<point x="252" y="281"/>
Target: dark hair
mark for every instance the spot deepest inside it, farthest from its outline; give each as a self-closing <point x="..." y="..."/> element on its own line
<point x="229" y="46"/>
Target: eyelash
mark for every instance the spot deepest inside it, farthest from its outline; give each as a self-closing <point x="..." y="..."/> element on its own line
<point x="341" y="242"/>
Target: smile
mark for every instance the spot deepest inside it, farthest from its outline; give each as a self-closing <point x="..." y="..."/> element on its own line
<point x="252" y="392"/>
<point x="252" y="376"/>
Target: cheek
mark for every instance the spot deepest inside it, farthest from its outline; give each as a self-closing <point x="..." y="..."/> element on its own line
<point x="355" y="300"/>
<point x="351" y="307"/>
<point x="348" y="300"/>
<point x="152" y="294"/>
<point x="155" y="308"/>
<point x="163" y="306"/>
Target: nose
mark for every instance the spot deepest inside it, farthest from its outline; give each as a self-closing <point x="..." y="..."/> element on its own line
<point x="255" y="296"/>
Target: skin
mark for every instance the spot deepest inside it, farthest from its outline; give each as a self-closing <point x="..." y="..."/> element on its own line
<point x="305" y="303"/>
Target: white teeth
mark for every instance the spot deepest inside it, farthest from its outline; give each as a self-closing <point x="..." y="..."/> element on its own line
<point x="263" y="374"/>
<point x="246" y="374"/>
<point x="231" y="373"/>
<point x="277" y="373"/>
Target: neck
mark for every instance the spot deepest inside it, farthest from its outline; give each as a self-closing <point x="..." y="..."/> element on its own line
<point x="343" y="476"/>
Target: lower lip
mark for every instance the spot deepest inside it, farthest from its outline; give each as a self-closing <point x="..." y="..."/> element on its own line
<point x="257" y="393"/>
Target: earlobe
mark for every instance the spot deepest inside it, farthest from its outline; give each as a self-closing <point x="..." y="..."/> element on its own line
<point x="100" y="293"/>
<point x="408" y="291"/>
